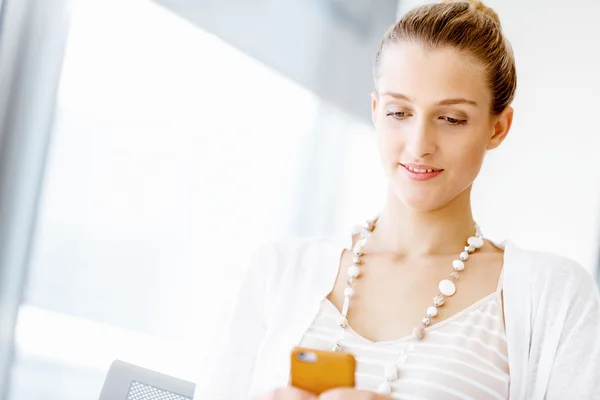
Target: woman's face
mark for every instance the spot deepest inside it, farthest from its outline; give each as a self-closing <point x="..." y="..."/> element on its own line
<point x="432" y="116"/>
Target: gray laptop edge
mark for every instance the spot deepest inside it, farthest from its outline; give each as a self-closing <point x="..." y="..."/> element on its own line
<point x="130" y="382"/>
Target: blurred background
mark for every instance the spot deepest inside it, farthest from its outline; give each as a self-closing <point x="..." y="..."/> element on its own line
<point x="147" y="147"/>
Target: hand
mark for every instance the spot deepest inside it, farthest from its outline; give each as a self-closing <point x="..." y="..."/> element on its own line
<point x="352" y="394"/>
<point x="287" y="394"/>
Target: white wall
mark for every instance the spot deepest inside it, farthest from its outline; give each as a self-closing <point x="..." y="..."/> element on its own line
<point x="541" y="189"/>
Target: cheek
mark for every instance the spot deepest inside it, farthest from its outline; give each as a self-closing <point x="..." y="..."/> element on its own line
<point x="389" y="143"/>
<point x="468" y="158"/>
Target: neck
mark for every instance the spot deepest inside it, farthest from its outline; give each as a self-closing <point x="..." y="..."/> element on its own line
<point x="404" y="231"/>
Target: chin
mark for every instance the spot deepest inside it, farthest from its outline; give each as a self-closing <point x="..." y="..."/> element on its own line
<point x="421" y="200"/>
<point x="423" y="205"/>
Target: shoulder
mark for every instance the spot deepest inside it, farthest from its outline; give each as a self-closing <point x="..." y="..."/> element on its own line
<point x="552" y="269"/>
<point x="301" y="255"/>
<point x="552" y="277"/>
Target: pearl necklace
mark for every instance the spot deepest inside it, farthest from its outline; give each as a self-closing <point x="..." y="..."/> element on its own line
<point x="446" y="287"/>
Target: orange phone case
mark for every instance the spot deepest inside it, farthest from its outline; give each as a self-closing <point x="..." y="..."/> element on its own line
<point x="317" y="371"/>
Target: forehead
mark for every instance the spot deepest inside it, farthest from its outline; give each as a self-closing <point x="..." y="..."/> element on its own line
<point x="432" y="75"/>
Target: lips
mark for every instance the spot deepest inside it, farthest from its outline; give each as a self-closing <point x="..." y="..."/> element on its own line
<point x="421" y="172"/>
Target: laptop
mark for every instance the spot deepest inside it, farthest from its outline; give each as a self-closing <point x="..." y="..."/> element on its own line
<point x="126" y="381"/>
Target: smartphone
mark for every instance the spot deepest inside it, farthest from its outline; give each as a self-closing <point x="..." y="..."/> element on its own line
<point x="318" y="371"/>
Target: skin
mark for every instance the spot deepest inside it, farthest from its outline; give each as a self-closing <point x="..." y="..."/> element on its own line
<point x="337" y="394"/>
<point x="431" y="107"/>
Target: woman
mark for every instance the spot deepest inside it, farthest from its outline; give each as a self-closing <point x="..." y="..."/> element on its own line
<point x="429" y="308"/>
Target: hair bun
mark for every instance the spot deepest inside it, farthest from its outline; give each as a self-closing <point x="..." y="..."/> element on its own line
<point x="480" y="7"/>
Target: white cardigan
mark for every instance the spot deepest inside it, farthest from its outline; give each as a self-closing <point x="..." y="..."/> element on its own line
<point x="551" y="306"/>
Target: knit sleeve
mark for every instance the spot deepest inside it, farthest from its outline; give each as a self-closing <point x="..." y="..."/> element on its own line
<point x="229" y="375"/>
<point x="575" y="371"/>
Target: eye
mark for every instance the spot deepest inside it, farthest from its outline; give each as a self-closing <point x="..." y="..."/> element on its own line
<point x="397" y="114"/>
<point x="454" y="121"/>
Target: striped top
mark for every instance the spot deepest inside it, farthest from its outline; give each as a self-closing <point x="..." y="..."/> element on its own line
<point x="462" y="357"/>
<point x="551" y="306"/>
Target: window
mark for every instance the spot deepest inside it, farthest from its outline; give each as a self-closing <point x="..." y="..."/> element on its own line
<point x="169" y="148"/>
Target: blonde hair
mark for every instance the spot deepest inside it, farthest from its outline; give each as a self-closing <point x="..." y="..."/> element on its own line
<point x="468" y="26"/>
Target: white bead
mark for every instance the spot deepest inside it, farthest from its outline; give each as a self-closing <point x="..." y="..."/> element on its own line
<point x="353" y="271"/>
<point x="385" y="388"/>
<point x="391" y="373"/>
<point x="447" y="287"/>
<point x="346" y="306"/>
<point x="458" y="265"/>
<point x="432" y="311"/>
<point x="348" y="292"/>
<point x="358" y="246"/>
<point x="343" y="322"/>
<point x="464" y="256"/>
<point x="475" y="241"/>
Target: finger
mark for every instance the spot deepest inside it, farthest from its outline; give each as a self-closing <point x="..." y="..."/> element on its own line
<point x="290" y="394"/>
<point x="350" y="394"/>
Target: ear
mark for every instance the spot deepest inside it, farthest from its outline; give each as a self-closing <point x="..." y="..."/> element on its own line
<point x="374" y="103"/>
<point x="501" y="128"/>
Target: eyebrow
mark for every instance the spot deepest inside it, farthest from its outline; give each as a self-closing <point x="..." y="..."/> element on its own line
<point x="445" y="102"/>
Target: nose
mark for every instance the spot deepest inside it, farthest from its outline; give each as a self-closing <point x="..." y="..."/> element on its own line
<point x="420" y="141"/>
